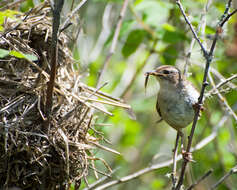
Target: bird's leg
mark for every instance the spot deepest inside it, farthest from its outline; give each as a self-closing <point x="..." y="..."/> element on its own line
<point x="182" y="140"/>
<point x="175" y="150"/>
<point x="186" y="155"/>
<point x="198" y="106"/>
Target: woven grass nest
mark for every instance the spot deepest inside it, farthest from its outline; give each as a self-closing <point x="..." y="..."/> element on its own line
<point x="31" y="158"/>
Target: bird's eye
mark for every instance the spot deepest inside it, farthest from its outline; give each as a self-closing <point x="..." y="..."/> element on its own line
<point x="166" y="72"/>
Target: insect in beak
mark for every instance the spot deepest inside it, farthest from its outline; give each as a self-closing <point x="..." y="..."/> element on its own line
<point x="147" y="74"/>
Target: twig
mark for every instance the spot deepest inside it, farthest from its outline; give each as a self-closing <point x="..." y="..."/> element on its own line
<point x="222" y="99"/>
<point x="140" y="21"/>
<point x="200" y="180"/>
<point x="99" y="93"/>
<point x="104" y="33"/>
<point x="216" y="73"/>
<point x="58" y="5"/>
<point x="65" y="23"/>
<point x="66" y="151"/>
<point x="191" y="28"/>
<point x="104" y="147"/>
<point x="232" y="171"/>
<point x="98" y="171"/>
<point x="175" y="151"/>
<point x="153" y="167"/>
<point x="213" y="90"/>
<point x="114" y="41"/>
<point x="208" y="56"/>
<point x="91" y="186"/>
<point x="81" y="98"/>
<point x="11" y="5"/>
<point x="200" y="26"/>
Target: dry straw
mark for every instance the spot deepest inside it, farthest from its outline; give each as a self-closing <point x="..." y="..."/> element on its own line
<point x="29" y="157"/>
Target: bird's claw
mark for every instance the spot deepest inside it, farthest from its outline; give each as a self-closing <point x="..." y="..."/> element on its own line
<point x="187" y="156"/>
<point x="198" y="106"/>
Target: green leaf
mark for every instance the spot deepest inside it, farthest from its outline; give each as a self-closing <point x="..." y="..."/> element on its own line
<point x="26" y="5"/>
<point x="170" y="55"/>
<point x="154" y="12"/>
<point x="157" y="184"/>
<point x="31" y="57"/>
<point x="126" y="26"/>
<point x="7" y="13"/>
<point x="23" y="56"/>
<point x="172" y="35"/>
<point x="3" y="53"/>
<point x="133" y="41"/>
<point x="16" y="54"/>
<point x="210" y="30"/>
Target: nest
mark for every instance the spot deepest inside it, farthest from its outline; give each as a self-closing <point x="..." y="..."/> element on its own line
<point x="30" y="156"/>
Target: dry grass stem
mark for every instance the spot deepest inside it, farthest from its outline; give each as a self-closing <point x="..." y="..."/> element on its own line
<point x="30" y="157"/>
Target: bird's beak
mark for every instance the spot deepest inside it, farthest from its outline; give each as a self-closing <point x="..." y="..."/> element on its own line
<point x="154" y="73"/>
<point x="151" y="73"/>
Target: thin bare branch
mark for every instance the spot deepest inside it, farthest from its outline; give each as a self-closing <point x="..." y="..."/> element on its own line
<point x="201" y="26"/>
<point x="104" y="147"/>
<point x="191" y="28"/>
<point x="175" y="151"/>
<point x="232" y="171"/>
<point x="200" y="180"/>
<point x="72" y="14"/>
<point x="114" y="41"/>
<point x="222" y="98"/>
<point x="54" y="61"/>
<point x="216" y="73"/>
<point x="11" y="5"/>
<point x="222" y="83"/>
<point x="91" y="186"/>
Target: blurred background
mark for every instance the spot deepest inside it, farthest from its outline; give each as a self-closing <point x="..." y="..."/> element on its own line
<point x="154" y="33"/>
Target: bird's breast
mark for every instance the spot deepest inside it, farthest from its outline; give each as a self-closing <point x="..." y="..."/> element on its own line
<point x="176" y="108"/>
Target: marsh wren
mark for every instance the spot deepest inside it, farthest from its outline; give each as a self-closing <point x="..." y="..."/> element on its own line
<point x="176" y="98"/>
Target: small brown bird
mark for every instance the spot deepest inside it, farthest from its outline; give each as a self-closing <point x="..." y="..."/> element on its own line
<point x="176" y="98"/>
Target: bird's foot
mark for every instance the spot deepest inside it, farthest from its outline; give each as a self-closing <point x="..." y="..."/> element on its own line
<point x="198" y="106"/>
<point x="187" y="156"/>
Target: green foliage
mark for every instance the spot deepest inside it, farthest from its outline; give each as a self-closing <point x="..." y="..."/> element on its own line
<point x="170" y="55"/>
<point x="4" y="53"/>
<point x="26" y="5"/>
<point x="153" y="11"/>
<point x="143" y="142"/>
<point x="7" y="13"/>
<point x="23" y="55"/>
<point x="172" y="35"/>
<point x="157" y="184"/>
<point x="133" y="41"/>
<point x="17" y="54"/>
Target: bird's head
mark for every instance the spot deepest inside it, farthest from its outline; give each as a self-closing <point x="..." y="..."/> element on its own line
<point x="165" y="74"/>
